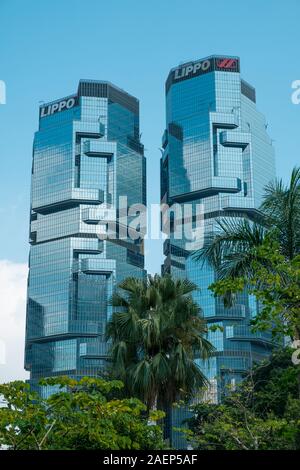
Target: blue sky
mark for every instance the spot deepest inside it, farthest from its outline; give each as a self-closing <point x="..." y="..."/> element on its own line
<point x="47" y="46"/>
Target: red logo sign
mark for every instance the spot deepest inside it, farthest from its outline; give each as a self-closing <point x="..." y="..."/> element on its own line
<point x="226" y="63"/>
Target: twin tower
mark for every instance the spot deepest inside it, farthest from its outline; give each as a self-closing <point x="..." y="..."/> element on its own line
<point x="87" y="155"/>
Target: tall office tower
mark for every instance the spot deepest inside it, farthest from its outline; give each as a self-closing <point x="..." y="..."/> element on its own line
<point x="216" y="152"/>
<point x="86" y="155"/>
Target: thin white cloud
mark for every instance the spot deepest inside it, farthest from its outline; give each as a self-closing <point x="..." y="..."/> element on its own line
<point x="13" y="284"/>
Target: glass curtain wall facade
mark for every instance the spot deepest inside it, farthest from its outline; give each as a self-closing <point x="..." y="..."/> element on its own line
<point x="216" y="152"/>
<point x="86" y="154"/>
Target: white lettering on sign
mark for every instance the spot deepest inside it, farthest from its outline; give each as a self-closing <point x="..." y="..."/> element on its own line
<point x="191" y="69"/>
<point x="57" y="107"/>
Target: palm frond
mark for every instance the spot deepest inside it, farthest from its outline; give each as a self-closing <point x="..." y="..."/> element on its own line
<point x="281" y="208"/>
<point x="162" y="328"/>
<point x="233" y="237"/>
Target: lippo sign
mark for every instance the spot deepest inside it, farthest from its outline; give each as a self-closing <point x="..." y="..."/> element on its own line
<point x="200" y="67"/>
<point x="59" y="106"/>
<point x="196" y="68"/>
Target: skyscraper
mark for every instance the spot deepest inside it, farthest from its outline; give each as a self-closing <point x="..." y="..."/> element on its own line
<point x="216" y="152"/>
<point x="86" y="155"/>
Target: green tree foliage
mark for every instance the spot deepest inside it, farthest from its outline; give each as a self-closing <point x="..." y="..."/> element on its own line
<point x="281" y="209"/>
<point x="80" y="415"/>
<point x="156" y="332"/>
<point x="264" y="258"/>
<point x="234" y="248"/>
<point x="275" y="283"/>
<point x="262" y="414"/>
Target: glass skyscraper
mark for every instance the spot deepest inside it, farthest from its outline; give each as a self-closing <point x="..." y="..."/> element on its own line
<point x="216" y="152"/>
<point x="86" y="155"/>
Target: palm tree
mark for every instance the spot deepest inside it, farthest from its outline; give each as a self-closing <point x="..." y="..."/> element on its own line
<point x="156" y="333"/>
<point x="281" y="208"/>
<point x="231" y="250"/>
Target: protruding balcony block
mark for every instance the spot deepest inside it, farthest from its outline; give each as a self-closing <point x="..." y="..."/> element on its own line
<point x="98" y="266"/>
<point x="99" y="148"/>
<point x="98" y="215"/>
<point x="235" y="139"/>
<point x="224" y="120"/>
<point x="68" y="197"/>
